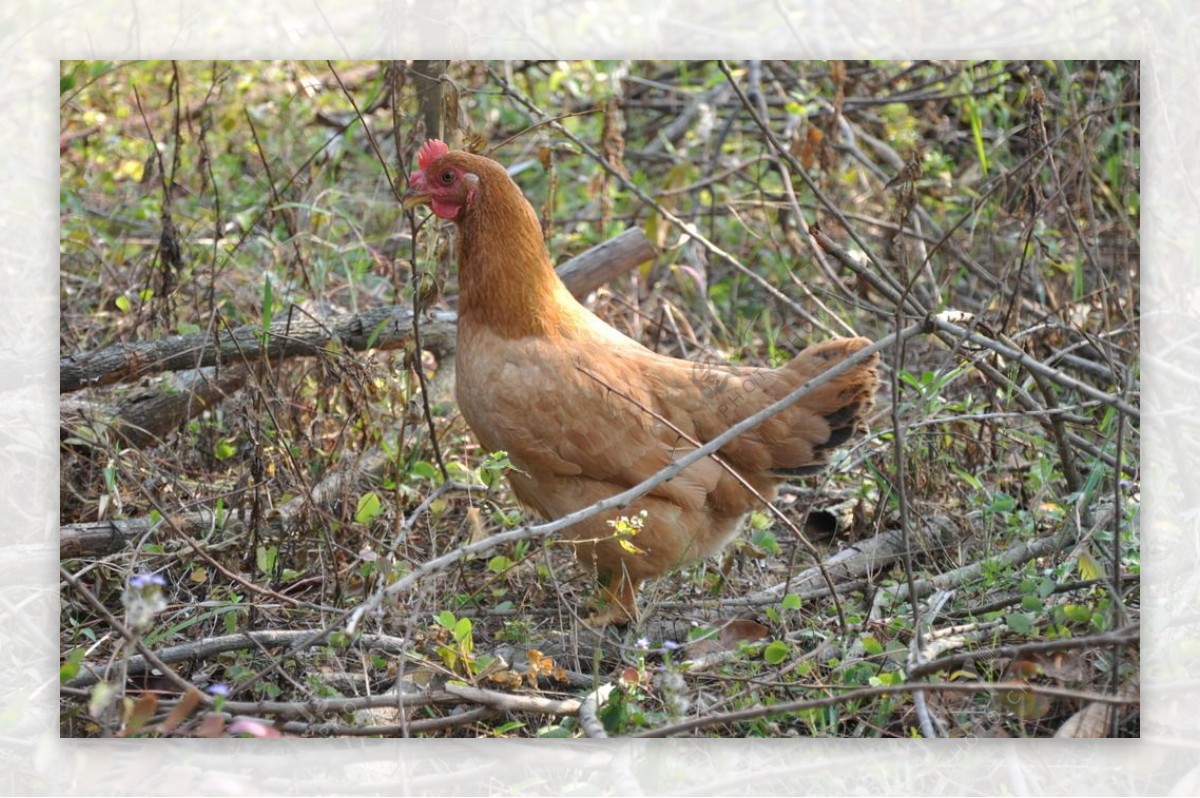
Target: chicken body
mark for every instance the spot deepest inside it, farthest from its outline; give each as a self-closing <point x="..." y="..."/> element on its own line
<point x="585" y="412"/>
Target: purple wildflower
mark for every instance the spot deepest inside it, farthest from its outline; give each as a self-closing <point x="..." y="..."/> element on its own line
<point x="140" y="581"/>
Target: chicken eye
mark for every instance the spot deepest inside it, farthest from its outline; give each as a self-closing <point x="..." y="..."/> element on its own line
<point x="447" y="177"/>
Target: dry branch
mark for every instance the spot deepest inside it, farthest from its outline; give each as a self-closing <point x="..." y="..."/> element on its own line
<point x="299" y="335"/>
<point x="98" y="538"/>
<point x="514" y="702"/>
<point x="147" y="416"/>
<point x="437" y="110"/>
<point x="294" y="335"/>
<point x="1128" y="636"/>
<point x="211" y="647"/>
<point x="865" y="558"/>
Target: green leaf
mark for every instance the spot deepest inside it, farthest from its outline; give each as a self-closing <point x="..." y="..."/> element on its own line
<point x="224" y="449"/>
<point x="1088" y="567"/>
<point x="790" y="602"/>
<point x="268" y="305"/>
<point x="424" y="470"/>
<point x="369" y="506"/>
<point x="266" y="558"/>
<point x="496" y="461"/>
<point x="499" y="564"/>
<point x="760" y="521"/>
<point x="122" y="303"/>
<point x="445" y="619"/>
<point x="555" y="731"/>
<point x="967" y="477"/>
<point x="871" y="645"/>
<point x="766" y="541"/>
<point x="1077" y="613"/>
<point x="1019" y="622"/>
<point x="462" y="629"/>
<point x="776" y="652"/>
<point x="70" y="669"/>
<point x="1002" y="503"/>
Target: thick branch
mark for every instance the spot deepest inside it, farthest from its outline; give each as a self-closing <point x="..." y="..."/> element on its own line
<point x="145" y="417"/>
<point x="431" y="96"/>
<point x="865" y="558"/>
<point x="380" y="328"/>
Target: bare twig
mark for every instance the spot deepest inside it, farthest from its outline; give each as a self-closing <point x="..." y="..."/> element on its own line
<point x="212" y="646"/>
<point x="1129" y="635"/>
<point x="514" y="702"/>
<point x="589" y="712"/>
<point x="1033" y="365"/>
<point x="130" y="637"/>
<point x="864" y="694"/>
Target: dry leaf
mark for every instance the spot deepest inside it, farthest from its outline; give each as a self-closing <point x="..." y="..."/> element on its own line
<point x="475" y="523"/>
<point x="213" y="725"/>
<point x="740" y="631"/>
<point x="138" y="712"/>
<point x="187" y="704"/>
<point x="508" y="679"/>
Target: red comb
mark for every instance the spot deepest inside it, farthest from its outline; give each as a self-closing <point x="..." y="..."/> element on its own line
<point x="430" y="151"/>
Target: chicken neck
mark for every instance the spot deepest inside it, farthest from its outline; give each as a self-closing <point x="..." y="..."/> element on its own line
<point x="506" y="279"/>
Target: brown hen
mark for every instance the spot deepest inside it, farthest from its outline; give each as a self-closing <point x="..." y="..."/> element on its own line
<point x="543" y="379"/>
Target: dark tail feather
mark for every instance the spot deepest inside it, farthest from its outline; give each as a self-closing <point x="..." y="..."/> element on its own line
<point x="844" y="424"/>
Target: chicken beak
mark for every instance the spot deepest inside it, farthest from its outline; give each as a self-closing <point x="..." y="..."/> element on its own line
<point x="418" y="192"/>
<point x="414" y="199"/>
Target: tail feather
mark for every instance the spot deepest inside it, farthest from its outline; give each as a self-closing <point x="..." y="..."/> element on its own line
<point x="844" y="416"/>
<point x="843" y="403"/>
<point x="837" y="437"/>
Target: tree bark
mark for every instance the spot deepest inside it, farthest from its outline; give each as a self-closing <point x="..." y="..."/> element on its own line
<point x="144" y="418"/>
<point x="432" y="99"/>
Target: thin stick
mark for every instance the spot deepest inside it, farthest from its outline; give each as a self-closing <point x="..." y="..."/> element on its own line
<point x="1032" y="365"/>
<point x="867" y="693"/>
<point x="129" y="635"/>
